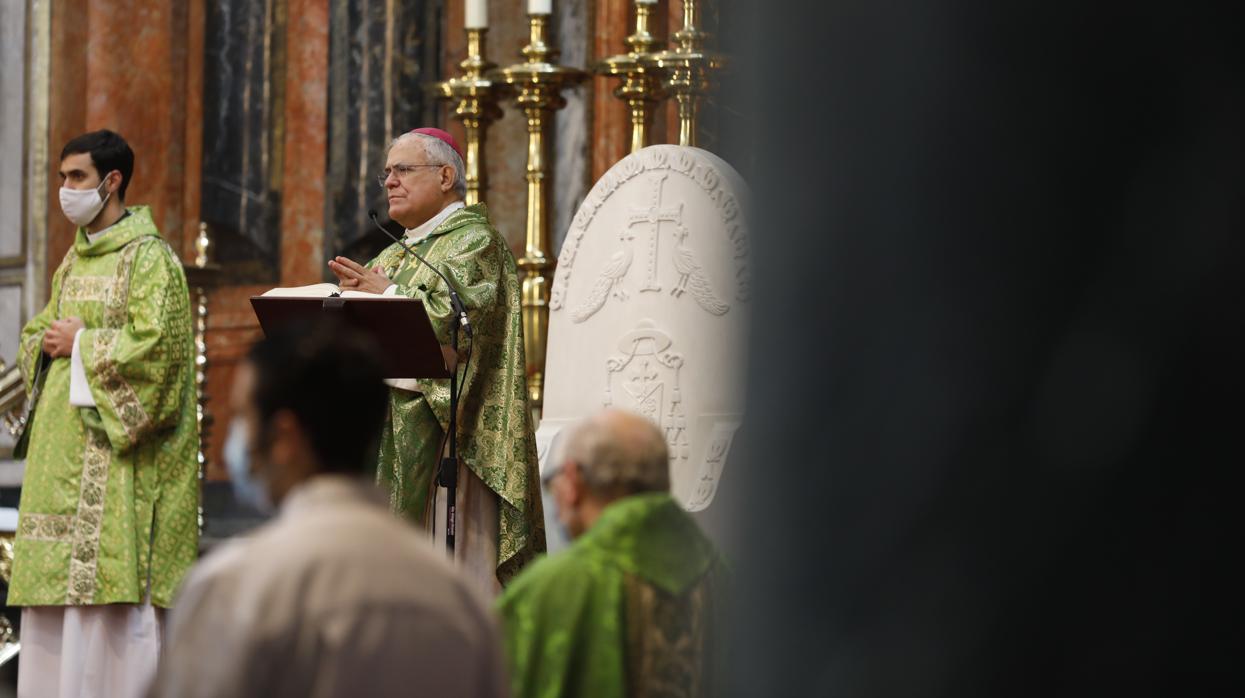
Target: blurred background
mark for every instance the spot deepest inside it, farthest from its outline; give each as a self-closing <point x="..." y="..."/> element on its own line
<point x="994" y="427"/>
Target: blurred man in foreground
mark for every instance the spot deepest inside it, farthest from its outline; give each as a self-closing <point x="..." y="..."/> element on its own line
<point x="335" y="596"/>
<point x="630" y="607"/>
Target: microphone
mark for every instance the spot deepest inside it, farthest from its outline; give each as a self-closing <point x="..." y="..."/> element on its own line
<point x="455" y="301"/>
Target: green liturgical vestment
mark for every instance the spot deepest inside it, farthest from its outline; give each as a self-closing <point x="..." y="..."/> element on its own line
<point x="109" y="504"/>
<point x="629" y="609"/>
<point x="495" y="425"/>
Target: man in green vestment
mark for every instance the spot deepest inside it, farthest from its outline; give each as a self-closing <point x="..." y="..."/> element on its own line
<point x="500" y="525"/>
<point x="109" y="504"/>
<point x="632" y="606"/>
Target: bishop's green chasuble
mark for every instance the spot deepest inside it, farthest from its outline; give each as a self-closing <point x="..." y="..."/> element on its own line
<point x="110" y="500"/>
<point x="496" y="440"/>
<point x="631" y="608"/>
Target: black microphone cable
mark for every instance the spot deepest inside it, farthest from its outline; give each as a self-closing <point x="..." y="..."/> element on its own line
<point x="457" y="306"/>
<point x="456" y="303"/>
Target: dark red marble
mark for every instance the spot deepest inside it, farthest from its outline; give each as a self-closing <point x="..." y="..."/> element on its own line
<point x="306" y="104"/>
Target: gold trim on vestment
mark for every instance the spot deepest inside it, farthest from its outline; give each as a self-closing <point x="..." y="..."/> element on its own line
<point x="84" y="558"/>
<point x="666" y="639"/>
<point x="54" y="528"/>
<point x="81" y="289"/>
<point x="128" y="407"/>
<point x="125" y="402"/>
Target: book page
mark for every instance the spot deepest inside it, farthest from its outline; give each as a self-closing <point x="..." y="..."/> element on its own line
<point x="365" y="294"/>
<point x="313" y="291"/>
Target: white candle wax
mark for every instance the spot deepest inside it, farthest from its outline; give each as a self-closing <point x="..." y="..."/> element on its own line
<point x="539" y="7"/>
<point x="646" y="2"/>
<point x="477" y="14"/>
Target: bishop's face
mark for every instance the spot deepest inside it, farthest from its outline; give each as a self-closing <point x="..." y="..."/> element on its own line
<point x="416" y="187"/>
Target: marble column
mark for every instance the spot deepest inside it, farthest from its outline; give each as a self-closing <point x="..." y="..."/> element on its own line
<point x="243" y="122"/>
<point x="12" y="140"/>
<point x="67" y="97"/>
<point x="381" y="55"/>
<point x="192" y="183"/>
<point x="38" y="60"/>
<point x="572" y="164"/>
<point x="306" y="137"/>
<point x="13" y="311"/>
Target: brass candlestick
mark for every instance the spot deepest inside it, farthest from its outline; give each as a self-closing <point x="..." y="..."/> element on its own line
<point x="476" y="107"/>
<point x="537" y="85"/>
<point x="200" y="276"/>
<point x="687" y="70"/>
<point x="641" y="83"/>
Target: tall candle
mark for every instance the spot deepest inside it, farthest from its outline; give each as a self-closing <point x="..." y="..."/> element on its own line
<point x="540" y="7"/>
<point x="477" y="14"/>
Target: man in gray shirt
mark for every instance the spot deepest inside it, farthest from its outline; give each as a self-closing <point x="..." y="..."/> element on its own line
<point x="334" y="596"/>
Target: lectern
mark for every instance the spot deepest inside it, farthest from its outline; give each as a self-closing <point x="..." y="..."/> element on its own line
<point x="400" y="327"/>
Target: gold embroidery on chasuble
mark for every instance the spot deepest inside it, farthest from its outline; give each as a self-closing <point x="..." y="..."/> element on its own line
<point x="84" y="559"/>
<point x="53" y="528"/>
<point x="114" y="309"/>
<point x="99" y="289"/>
<point x="97" y="453"/>
<point x="31" y="345"/>
<point x="666" y="640"/>
<point x="119" y="392"/>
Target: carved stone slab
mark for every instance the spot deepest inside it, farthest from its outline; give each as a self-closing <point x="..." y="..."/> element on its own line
<point x="649" y="309"/>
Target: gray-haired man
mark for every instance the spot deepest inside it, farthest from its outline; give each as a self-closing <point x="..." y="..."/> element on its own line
<point x="500" y="523"/>
<point x="630" y="607"/>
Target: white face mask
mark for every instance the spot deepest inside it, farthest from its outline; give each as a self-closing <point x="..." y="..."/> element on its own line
<point x="81" y="206"/>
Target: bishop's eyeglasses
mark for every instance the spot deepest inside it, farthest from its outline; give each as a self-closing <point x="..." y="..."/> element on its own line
<point x="401" y="170"/>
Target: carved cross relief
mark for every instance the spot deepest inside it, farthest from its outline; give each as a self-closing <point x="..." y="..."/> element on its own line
<point x="692" y="277"/>
<point x="654" y="216"/>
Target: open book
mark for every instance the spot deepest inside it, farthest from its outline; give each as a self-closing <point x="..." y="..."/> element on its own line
<point x="324" y="290"/>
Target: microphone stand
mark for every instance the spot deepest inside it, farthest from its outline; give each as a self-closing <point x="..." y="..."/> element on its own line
<point x="447" y="474"/>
